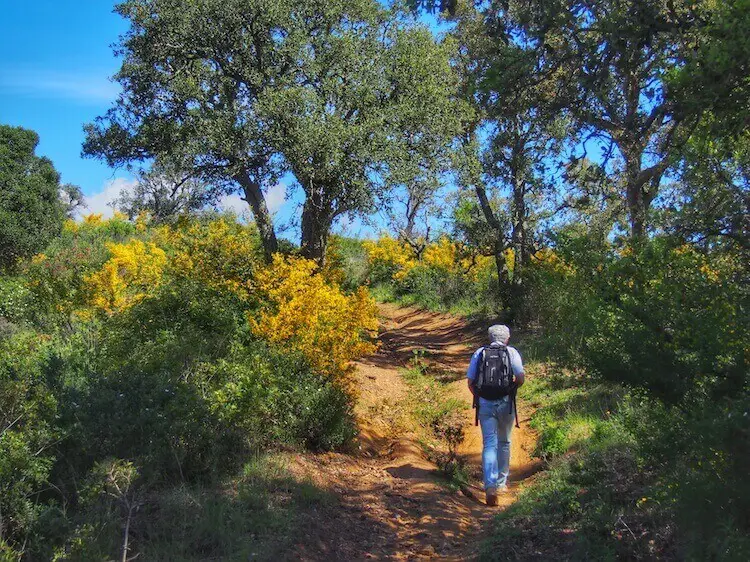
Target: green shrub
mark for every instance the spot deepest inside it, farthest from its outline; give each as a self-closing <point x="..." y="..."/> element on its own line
<point x="177" y="384"/>
<point x="56" y="277"/>
<point x="16" y="300"/>
<point x="27" y="434"/>
<point x="348" y="256"/>
<point x="664" y="317"/>
<point x="437" y="289"/>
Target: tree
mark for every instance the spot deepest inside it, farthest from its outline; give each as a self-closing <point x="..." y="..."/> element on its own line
<point x="710" y="204"/>
<point x="31" y="212"/>
<point x="246" y="90"/>
<point x="432" y="6"/>
<point x="511" y="145"/>
<point x="610" y="61"/>
<point x="165" y="194"/>
<point x="410" y="212"/>
<point x="371" y="108"/>
<point x="193" y="77"/>
<point x="72" y="199"/>
<point x="715" y="73"/>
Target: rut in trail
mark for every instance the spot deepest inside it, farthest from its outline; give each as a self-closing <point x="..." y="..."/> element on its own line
<point x="390" y="505"/>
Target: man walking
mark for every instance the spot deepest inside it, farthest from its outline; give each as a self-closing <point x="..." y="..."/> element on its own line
<point x="494" y="374"/>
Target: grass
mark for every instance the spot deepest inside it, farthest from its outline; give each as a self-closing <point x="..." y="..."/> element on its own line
<point x="440" y="418"/>
<point x="466" y="307"/>
<point x="258" y="514"/>
<point x="592" y="501"/>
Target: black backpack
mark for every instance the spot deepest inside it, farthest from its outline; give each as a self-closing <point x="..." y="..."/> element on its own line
<point x="495" y="377"/>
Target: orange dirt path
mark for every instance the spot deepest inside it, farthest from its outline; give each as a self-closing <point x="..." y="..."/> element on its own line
<point x="390" y="505"/>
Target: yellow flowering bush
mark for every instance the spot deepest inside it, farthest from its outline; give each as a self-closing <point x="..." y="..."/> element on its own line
<point x="307" y="313"/>
<point x="389" y="258"/>
<point x="392" y="260"/>
<point x="132" y="269"/>
<point x="451" y="257"/>
<point x="441" y="255"/>
<point x="94" y="219"/>
<point x="220" y="254"/>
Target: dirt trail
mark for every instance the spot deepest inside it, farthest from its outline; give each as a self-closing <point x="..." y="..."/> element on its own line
<point x="390" y="504"/>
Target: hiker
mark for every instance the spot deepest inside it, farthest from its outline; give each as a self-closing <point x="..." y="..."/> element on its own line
<point x="494" y="374"/>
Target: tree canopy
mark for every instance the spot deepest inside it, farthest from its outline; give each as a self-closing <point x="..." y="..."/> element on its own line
<point x="243" y="91"/>
<point x="31" y="212"/>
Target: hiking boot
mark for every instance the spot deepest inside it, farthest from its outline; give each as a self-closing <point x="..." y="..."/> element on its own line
<point x="492" y="498"/>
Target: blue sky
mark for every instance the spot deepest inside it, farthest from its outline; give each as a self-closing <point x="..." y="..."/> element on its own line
<point x="56" y="61"/>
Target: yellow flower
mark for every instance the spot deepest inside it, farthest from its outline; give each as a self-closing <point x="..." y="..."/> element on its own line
<point x="391" y="254"/>
<point x="93" y="219"/>
<point x="313" y="316"/>
<point x="132" y="270"/>
<point x="221" y="254"/>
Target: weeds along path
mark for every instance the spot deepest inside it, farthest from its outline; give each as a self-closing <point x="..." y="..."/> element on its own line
<point x="388" y="502"/>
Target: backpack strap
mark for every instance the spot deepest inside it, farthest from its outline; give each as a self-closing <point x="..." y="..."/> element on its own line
<point x="480" y="371"/>
<point x="477" y="385"/>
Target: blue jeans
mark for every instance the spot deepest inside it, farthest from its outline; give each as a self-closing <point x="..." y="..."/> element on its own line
<point x="496" y="419"/>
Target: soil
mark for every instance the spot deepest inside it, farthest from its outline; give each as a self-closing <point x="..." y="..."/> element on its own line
<point x="391" y="504"/>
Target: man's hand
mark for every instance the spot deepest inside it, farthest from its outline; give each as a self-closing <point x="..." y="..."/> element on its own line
<point x="519" y="379"/>
<point x="472" y="388"/>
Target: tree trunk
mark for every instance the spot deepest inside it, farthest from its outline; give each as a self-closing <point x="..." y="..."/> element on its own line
<point x="520" y="246"/>
<point x="256" y="200"/>
<point x="316" y="225"/>
<point x="504" y="285"/>
<point x="503" y="275"/>
<point x="634" y="197"/>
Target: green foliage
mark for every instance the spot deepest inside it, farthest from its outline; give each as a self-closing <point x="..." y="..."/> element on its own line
<point x="437" y="289"/>
<point x="347" y="256"/>
<point x="714" y="76"/>
<point x="254" y="514"/>
<point x="195" y="523"/>
<point x="664" y="316"/>
<point x="709" y="205"/>
<point x="181" y="387"/>
<point x="173" y="386"/>
<point x="16" y="300"/>
<point x="31" y="212"/>
<point x="348" y="96"/>
<point x="441" y="418"/>
<point x="55" y="278"/>
<point x="28" y="412"/>
<point x="644" y="480"/>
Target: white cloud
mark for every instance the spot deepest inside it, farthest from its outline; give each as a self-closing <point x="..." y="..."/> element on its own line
<point x="275" y="199"/>
<point x="233" y="203"/>
<point x="100" y="202"/>
<point x="113" y="189"/>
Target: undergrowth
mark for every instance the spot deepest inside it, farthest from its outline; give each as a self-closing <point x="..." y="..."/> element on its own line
<point x="625" y="479"/>
<point x="256" y="514"/>
<point x="440" y="417"/>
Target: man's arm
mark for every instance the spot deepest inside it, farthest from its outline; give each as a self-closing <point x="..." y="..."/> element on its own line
<point x="471" y="372"/>
<point x="516" y="364"/>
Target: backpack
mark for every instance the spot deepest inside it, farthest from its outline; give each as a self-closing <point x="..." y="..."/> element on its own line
<point x="495" y="377"/>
